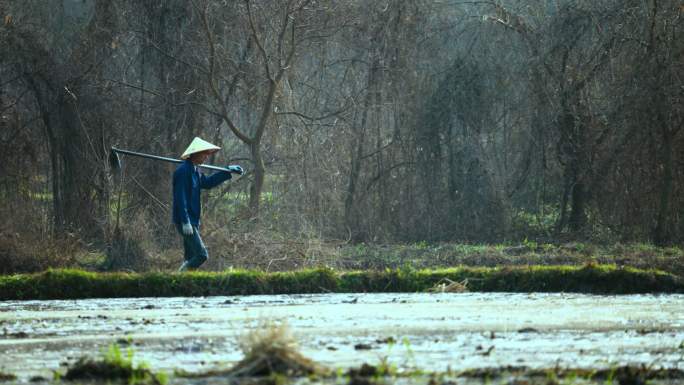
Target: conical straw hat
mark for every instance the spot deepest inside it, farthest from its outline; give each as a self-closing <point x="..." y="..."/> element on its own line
<point x="199" y="145"/>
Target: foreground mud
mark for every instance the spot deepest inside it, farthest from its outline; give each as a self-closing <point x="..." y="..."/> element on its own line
<point x="431" y="332"/>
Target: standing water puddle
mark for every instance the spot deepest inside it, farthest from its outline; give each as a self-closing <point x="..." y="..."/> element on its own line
<point x="433" y="332"/>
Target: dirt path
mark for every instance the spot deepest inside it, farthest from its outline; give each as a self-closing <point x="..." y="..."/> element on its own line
<point x="427" y="331"/>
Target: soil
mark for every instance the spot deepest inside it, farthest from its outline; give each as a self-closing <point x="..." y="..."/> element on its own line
<point x="435" y="332"/>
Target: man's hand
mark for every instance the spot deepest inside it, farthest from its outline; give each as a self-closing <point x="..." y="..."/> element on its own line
<point x="187" y="229"/>
<point x="236" y="169"/>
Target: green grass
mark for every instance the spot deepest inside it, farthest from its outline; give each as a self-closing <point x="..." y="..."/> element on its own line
<point x="114" y="365"/>
<point x="591" y="278"/>
<point x="558" y="375"/>
<point x="7" y="377"/>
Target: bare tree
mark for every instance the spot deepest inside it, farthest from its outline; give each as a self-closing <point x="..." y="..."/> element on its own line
<point x="275" y="31"/>
<point x="57" y="77"/>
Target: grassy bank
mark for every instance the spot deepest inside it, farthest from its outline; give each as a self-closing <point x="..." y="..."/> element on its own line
<point x="598" y="279"/>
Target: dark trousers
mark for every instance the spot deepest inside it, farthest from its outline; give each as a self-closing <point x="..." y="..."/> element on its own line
<point x="195" y="251"/>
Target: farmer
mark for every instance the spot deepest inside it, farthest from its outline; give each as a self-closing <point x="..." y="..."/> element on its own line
<point x="187" y="182"/>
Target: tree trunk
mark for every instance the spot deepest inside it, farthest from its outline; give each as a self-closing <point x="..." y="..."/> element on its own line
<point x="73" y="203"/>
<point x="573" y="148"/>
<point x="258" y="184"/>
<point x="578" y="215"/>
<point x="661" y="234"/>
<point x="356" y="152"/>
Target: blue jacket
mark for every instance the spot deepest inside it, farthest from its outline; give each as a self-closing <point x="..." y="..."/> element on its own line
<point x="187" y="182"/>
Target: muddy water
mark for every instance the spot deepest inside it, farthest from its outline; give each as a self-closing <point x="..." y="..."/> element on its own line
<point x="435" y="332"/>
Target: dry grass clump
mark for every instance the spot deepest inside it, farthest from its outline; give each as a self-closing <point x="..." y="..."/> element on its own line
<point x="445" y="285"/>
<point x="272" y="350"/>
<point x="138" y="247"/>
<point x="267" y="250"/>
<point x="27" y="254"/>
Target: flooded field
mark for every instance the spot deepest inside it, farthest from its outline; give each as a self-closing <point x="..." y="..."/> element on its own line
<point x="433" y="332"/>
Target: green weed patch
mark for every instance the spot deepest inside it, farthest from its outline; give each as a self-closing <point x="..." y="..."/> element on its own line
<point x="7" y="377"/>
<point x="598" y="279"/>
<point x="618" y="374"/>
<point x="114" y="366"/>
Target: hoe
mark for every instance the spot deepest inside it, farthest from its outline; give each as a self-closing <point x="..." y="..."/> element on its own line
<point x="115" y="162"/>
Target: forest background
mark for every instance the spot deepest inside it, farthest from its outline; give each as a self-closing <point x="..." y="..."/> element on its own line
<point x="361" y="124"/>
